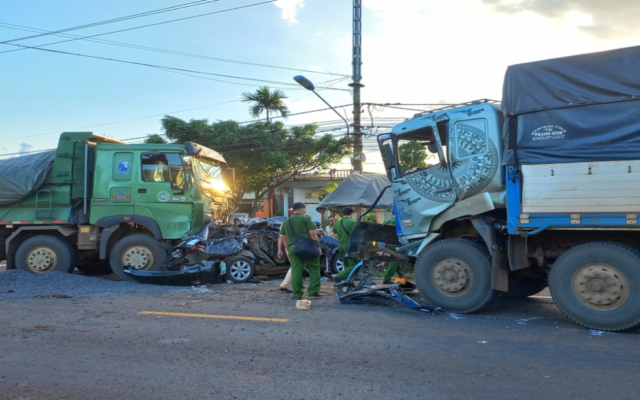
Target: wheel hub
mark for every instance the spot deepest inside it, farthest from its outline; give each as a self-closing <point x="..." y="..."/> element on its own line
<point x="600" y="286"/>
<point x="240" y="270"/>
<point x="41" y="259"/>
<point x="452" y="276"/>
<point x="138" y="257"/>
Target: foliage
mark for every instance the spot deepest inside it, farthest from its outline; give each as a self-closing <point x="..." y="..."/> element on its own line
<point x="412" y="155"/>
<point x="266" y="100"/>
<point x="327" y="190"/>
<point x="155" y="139"/>
<point x="264" y="156"/>
<point x="371" y="217"/>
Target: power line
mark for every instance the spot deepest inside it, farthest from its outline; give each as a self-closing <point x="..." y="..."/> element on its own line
<point x="163" y="67"/>
<point x="120" y="19"/>
<point x="153" y="49"/>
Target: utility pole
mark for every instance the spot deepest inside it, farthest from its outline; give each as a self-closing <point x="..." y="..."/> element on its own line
<point x="356" y="85"/>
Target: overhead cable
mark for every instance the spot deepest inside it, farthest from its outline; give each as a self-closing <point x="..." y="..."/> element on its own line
<point x="120" y="19"/>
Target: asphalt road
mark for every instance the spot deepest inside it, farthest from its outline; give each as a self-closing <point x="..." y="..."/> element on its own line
<point x="105" y="348"/>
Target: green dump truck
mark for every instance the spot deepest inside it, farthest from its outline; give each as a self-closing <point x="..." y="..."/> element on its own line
<point x="97" y="204"/>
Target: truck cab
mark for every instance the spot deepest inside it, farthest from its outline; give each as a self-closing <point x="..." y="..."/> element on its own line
<point x="443" y="165"/>
<point x="104" y="204"/>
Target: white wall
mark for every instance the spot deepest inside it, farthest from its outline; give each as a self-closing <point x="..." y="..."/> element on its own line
<point x="309" y="197"/>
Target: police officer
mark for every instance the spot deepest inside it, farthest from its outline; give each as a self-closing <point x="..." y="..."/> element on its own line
<point x="343" y="229"/>
<point x="393" y="267"/>
<point x="303" y="227"/>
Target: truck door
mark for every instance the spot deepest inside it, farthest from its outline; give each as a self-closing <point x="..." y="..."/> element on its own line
<point x="163" y="193"/>
<point x="418" y="167"/>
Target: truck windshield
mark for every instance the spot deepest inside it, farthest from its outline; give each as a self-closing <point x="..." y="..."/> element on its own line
<point x="417" y="151"/>
<point x="209" y="175"/>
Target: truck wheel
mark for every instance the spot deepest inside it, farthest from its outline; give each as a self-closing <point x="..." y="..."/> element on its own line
<point x="525" y="283"/>
<point x="455" y="275"/>
<point x="337" y="264"/>
<point x="45" y="253"/>
<point x="137" y="251"/>
<point x="597" y="285"/>
<point x="95" y="267"/>
<point x="239" y="269"/>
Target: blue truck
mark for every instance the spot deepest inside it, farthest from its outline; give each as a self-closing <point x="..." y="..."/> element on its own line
<point x="540" y="189"/>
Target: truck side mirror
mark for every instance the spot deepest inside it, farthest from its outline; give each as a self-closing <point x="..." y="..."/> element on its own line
<point x="387" y="156"/>
<point x="229" y="175"/>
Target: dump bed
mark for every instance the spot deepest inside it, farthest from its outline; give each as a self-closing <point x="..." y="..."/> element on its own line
<point x="22" y="176"/>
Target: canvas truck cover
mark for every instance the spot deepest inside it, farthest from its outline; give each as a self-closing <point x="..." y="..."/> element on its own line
<point x="21" y="176"/>
<point x="573" y="109"/>
<point x="359" y="190"/>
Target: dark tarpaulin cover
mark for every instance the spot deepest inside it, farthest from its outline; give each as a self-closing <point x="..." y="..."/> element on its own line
<point x="359" y="190"/>
<point x="224" y="247"/>
<point x="22" y="176"/>
<point x="573" y="109"/>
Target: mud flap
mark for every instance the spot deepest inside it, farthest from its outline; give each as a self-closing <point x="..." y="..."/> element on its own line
<point x="500" y="271"/>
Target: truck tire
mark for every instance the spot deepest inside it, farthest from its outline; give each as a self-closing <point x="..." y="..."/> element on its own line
<point x="139" y="251"/>
<point x="525" y="283"/>
<point x="239" y="269"/>
<point x="45" y="253"/>
<point x="95" y="267"/>
<point x="455" y="275"/>
<point x="597" y="285"/>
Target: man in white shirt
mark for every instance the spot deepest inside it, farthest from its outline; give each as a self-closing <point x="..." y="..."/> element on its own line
<point x="329" y="227"/>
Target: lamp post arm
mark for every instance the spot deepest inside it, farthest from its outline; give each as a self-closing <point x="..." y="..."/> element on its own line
<point x="334" y="110"/>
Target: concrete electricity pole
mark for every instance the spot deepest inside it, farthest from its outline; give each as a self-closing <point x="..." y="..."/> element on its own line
<point x="356" y="85"/>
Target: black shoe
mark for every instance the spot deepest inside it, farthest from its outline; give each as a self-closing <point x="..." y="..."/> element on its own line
<point x="314" y="295"/>
<point x="296" y="298"/>
<point x="384" y="283"/>
<point x="285" y="290"/>
<point x="335" y="279"/>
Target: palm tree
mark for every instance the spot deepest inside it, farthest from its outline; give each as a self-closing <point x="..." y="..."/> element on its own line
<point x="266" y="100"/>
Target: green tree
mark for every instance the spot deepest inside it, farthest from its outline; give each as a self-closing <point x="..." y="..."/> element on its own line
<point x="155" y="139"/>
<point x="266" y="100"/>
<point x="412" y="155"/>
<point x="264" y="156"/>
<point x="327" y="190"/>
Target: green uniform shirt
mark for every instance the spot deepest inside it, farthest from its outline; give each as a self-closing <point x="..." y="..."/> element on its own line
<point x="343" y="237"/>
<point x="301" y="225"/>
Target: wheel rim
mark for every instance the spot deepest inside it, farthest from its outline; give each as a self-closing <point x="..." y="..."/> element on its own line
<point x="138" y="257"/>
<point x="600" y="286"/>
<point x="42" y="259"/>
<point x="452" y="276"/>
<point x="240" y="270"/>
<point x="339" y="264"/>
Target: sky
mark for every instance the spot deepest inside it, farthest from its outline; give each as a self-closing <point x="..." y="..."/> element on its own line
<point x="125" y="76"/>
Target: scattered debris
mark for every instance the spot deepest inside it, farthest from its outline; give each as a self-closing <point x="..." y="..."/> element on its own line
<point x="524" y="321"/>
<point x="482" y="341"/>
<point x="455" y="316"/>
<point x="303" y="304"/>
<point x="201" y="289"/>
<point x="180" y="304"/>
<point x="54" y="295"/>
<point x="600" y="333"/>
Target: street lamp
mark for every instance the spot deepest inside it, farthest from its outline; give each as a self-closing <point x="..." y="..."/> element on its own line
<point x="307" y="84"/>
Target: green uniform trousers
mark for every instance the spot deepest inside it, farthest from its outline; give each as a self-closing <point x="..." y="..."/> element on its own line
<point x="297" y="266"/>
<point x="392" y="267"/>
<point x="349" y="263"/>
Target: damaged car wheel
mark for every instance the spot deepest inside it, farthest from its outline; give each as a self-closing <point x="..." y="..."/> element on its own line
<point x="239" y="269"/>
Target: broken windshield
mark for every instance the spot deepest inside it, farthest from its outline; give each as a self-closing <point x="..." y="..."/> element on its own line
<point x="209" y="175"/>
